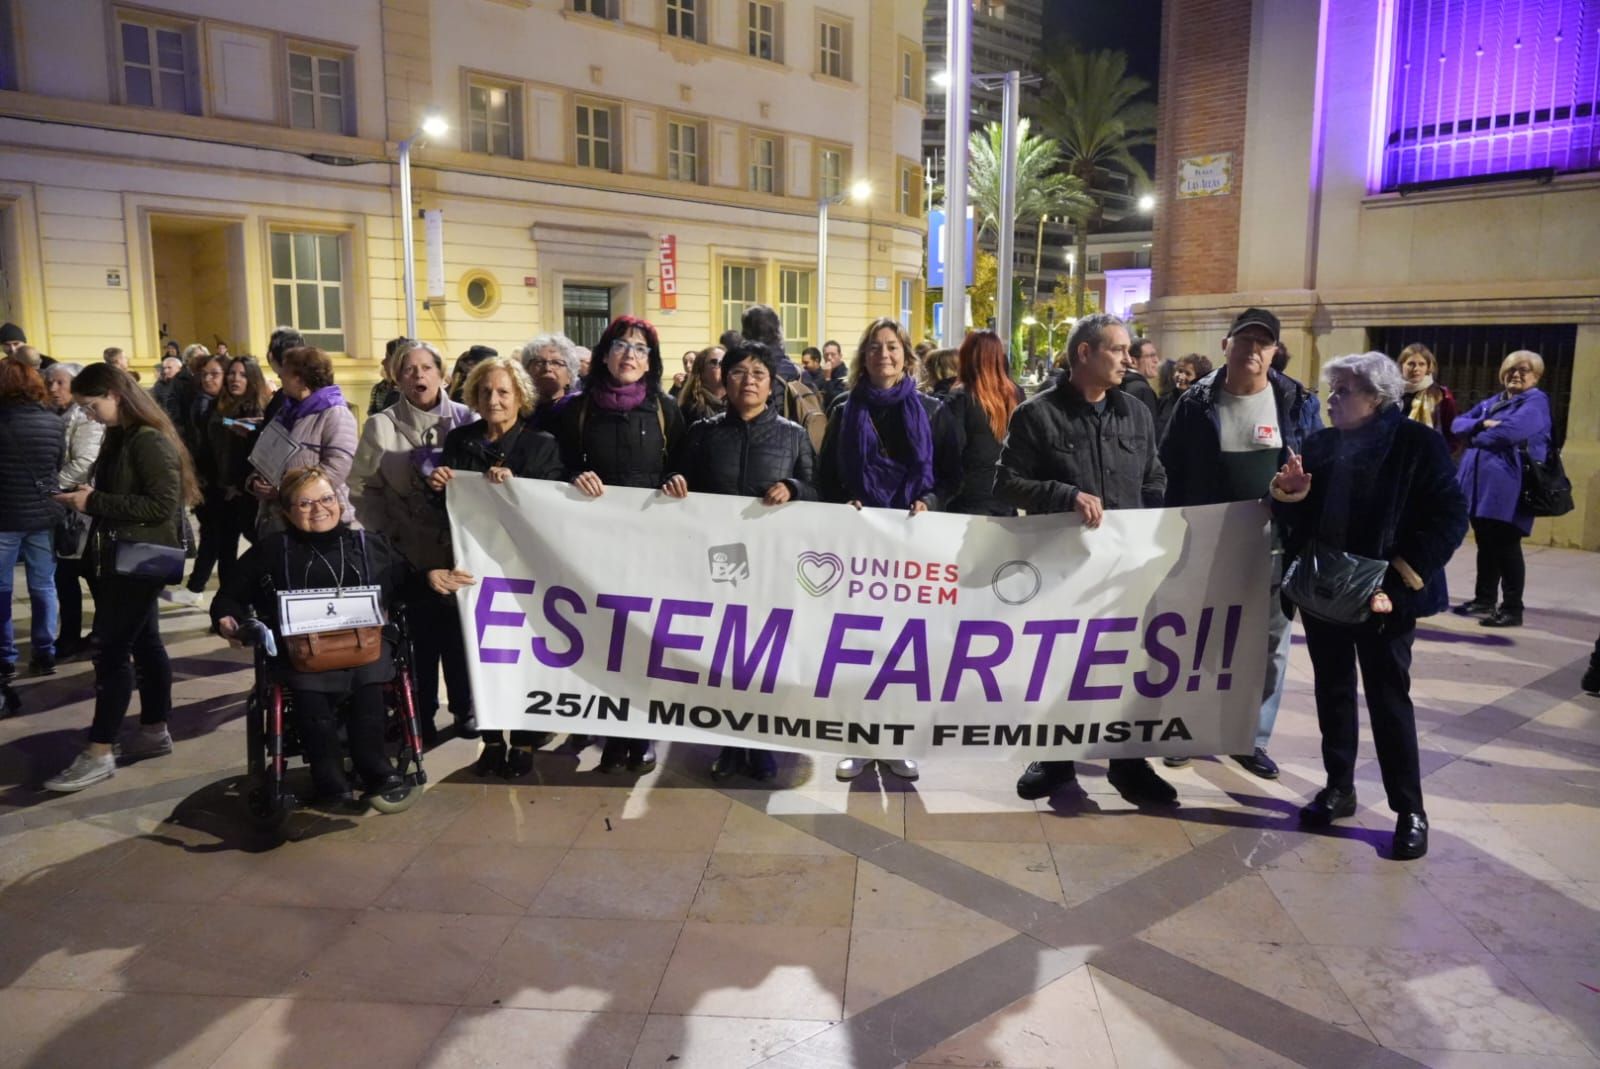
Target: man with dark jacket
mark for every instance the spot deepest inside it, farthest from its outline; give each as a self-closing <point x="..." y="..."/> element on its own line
<point x="835" y="375"/>
<point x="1085" y="446"/>
<point x="1135" y="382"/>
<point x="1228" y="436"/>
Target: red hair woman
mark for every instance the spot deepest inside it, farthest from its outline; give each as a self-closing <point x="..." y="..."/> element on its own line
<point x="980" y="404"/>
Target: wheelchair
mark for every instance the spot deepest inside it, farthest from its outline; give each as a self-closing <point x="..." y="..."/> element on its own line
<point x="272" y="740"/>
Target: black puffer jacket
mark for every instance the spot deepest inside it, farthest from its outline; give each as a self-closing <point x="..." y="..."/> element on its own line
<point x="980" y="452"/>
<point x="1057" y="446"/>
<point x="529" y="453"/>
<point x="31" y="442"/>
<point x="623" y="448"/>
<point x="728" y="455"/>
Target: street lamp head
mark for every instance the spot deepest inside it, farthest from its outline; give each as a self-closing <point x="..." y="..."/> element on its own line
<point x="860" y="190"/>
<point x="941" y="79"/>
<point x="435" y="126"/>
<point x="1147" y="203"/>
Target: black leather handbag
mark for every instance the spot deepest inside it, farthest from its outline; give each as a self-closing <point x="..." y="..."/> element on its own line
<point x="148" y="560"/>
<point x="1332" y="585"/>
<point x="1546" y="490"/>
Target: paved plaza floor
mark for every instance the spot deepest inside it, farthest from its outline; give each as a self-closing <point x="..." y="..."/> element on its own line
<point x="592" y="922"/>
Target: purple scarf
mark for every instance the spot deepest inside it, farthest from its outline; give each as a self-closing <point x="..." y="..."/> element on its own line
<point x="320" y="401"/>
<point x="872" y="476"/>
<point x="614" y="398"/>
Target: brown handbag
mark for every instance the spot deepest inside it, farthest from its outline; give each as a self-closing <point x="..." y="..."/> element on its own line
<point x="333" y="651"/>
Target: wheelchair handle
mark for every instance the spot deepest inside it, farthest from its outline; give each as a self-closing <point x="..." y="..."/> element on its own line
<point x="256" y="633"/>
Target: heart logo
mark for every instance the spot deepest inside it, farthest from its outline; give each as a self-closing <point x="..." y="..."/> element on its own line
<point x="819" y="572"/>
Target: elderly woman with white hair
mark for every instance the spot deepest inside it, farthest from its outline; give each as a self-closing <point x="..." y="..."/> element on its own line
<point x="1372" y="508"/>
<point x="551" y="361"/>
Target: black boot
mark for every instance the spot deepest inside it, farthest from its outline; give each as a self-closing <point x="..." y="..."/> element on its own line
<point x="614" y="758"/>
<point x="641" y="756"/>
<point x="729" y="763"/>
<point x="1044" y="778"/>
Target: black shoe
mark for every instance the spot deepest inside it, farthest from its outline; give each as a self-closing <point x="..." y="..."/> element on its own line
<point x="729" y="763"/>
<point x="42" y="665"/>
<point x="614" y="758"/>
<point x="466" y="725"/>
<point x="1502" y="617"/>
<point x="389" y="781"/>
<point x="763" y="764"/>
<point x="519" y="762"/>
<point x="68" y="650"/>
<point x="1591" y="679"/>
<point x="1138" y="782"/>
<point x="8" y="670"/>
<point x="1330" y="804"/>
<point x="1258" y="764"/>
<point x="1473" y="608"/>
<point x="540" y="739"/>
<point x="1410" y="837"/>
<point x="340" y="803"/>
<point x="1041" y="779"/>
<point x="642" y="756"/>
<point x="492" y="761"/>
<point x="1176" y="762"/>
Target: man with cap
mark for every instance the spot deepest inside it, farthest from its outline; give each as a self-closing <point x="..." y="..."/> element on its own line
<point x="11" y="339"/>
<point x="1229" y="435"/>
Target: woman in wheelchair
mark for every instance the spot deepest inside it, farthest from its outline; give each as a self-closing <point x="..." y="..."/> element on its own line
<point x="317" y="551"/>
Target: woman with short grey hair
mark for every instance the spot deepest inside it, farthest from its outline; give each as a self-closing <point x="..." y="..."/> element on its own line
<point x="551" y="361"/>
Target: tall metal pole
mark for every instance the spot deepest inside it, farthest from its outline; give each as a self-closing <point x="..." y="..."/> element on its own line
<point x="957" y="108"/>
<point x="409" y="264"/>
<point x="1008" y="205"/>
<point x="822" y="271"/>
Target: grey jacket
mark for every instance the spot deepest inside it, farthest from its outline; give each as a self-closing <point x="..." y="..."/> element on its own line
<point x="1056" y="446"/>
<point x="82" y="437"/>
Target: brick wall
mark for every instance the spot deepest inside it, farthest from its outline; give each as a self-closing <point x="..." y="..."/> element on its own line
<point x="1205" y="54"/>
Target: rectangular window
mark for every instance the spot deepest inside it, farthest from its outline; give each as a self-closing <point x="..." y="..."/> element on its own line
<point x="605" y="9"/>
<point x="764" y="164"/>
<point x="908" y="81"/>
<point x="685" y="19"/>
<point x="1094" y="262"/>
<point x="493" y="117"/>
<point x="794" y="305"/>
<point x="317" y="92"/>
<point x="739" y="291"/>
<point x="909" y="201"/>
<point x="832" y="48"/>
<point x="596" y="129"/>
<point x="908" y="302"/>
<point x="308" y="286"/>
<point x="830" y="173"/>
<point x="684" y="140"/>
<point x="159" y="67"/>
<point x="761" y="30"/>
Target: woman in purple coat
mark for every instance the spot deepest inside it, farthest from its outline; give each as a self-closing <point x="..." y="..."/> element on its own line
<point x="1496" y="432"/>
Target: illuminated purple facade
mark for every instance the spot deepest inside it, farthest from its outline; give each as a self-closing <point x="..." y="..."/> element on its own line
<point x="1484" y="87"/>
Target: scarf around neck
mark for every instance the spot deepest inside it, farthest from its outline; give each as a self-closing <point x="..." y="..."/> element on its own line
<point x="1424" y="400"/>
<point x="320" y="401"/>
<point x="872" y="476"/>
<point x="611" y="397"/>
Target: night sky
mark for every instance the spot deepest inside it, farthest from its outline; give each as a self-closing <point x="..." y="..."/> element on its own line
<point x="1133" y="26"/>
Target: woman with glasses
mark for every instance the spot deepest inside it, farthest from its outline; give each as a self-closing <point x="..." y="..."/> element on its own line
<point x="622" y="431"/>
<point x="1497" y="431"/>
<point x="551" y="361"/>
<point x="704" y="395"/>
<point x="747" y="451"/>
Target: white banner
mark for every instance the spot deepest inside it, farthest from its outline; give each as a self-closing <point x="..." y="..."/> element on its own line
<point x="817" y="627"/>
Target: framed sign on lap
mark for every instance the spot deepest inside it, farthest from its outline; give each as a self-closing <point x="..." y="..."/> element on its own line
<point x="312" y="612"/>
<point x="272" y="451"/>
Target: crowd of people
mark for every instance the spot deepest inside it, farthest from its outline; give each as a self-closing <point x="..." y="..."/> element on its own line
<point x="105" y="474"/>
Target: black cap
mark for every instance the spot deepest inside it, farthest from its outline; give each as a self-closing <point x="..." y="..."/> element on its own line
<point x="1255" y="317"/>
<point x="12" y="332"/>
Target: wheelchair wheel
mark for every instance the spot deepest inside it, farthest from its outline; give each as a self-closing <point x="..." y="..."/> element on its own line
<point x="269" y="810"/>
<point x="397" y="800"/>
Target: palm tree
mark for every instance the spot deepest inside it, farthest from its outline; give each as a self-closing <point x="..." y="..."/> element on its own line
<point x="1093" y="108"/>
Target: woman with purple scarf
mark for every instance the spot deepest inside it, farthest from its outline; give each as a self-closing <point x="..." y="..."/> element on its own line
<point x="319" y="422"/>
<point x="621" y="431"/>
<point x="887" y="446"/>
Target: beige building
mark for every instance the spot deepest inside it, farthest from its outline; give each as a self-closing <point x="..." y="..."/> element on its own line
<point x="205" y="169"/>
<point x="1379" y="176"/>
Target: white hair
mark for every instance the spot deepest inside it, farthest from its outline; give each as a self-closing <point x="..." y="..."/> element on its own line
<point x="562" y="344"/>
<point x="412" y="344"/>
<point x="63" y="368"/>
<point x="1377" y="373"/>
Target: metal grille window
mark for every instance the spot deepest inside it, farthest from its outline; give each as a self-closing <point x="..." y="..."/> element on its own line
<point x="594" y="124"/>
<point x="764" y="164"/>
<point x="606" y="9"/>
<point x="794" y="306"/>
<point x="683" y="152"/>
<point x="491" y="118"/>
<point x="308" y="286"/>
<point x="831" y="49"/>
<point x="683" y="19"/>
<point x="762" y="39"/>
<point x="739" y="292"/>
<point x="830" y="173"/>
<point x="1484" y="87"/>
<point x="317" y="92"/>
<point x="158" y="68"/>
<point x="1469" y="359"/>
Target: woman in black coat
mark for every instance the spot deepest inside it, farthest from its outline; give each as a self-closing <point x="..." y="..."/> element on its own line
<point x="747" y="451"/>
<point x="980" y="405"/>
<point x="1380" y="486"/>
<point x="31" y="441"/>
<point x="503" y="445"/>
<point x="621" y="431"/>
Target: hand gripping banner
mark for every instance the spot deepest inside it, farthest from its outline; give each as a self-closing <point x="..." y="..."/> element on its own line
<point x="822" y="628"/>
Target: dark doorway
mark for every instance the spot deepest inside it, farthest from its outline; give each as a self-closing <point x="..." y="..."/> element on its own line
<point x="585" y="312"/>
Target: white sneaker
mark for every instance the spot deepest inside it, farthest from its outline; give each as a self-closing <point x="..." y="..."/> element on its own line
<point x="851" y="767"/>
<point x="85" y="771"/>
<point x="149" y="741"/>
<point x="182" y="595"/>
<point x="903" y="769"/>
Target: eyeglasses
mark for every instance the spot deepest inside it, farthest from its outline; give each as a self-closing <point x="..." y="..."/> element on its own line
<point x="1518" y="371"/>
<point x="622" y="348"/>
<point x="547" y="365"/>
<point x="751" y="373"/>
<point x="326" y="502"/>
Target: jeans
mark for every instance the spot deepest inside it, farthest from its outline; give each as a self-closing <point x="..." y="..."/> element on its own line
<point x="128" y="625"/>
<point x="38" y="553"/>
<point x="1279" y="640"/>
<point x="1500" y="565"/>
<point x="1383" y="650"/>
<point x="435" y="628"/>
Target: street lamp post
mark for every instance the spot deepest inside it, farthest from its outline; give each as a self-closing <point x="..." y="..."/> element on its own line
<point x="1011" y="84"/>
<point x="432" y="126"/>
<point x="858" y="191"/>
<point x="957" y="109"/>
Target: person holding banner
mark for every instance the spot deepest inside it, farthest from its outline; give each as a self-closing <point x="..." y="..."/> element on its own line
<point x="399" y="450"/>
<point x="980" y="405"/>
<point x="887" y="446"/>
<point x="503" y="445"/>
<point x="1381" y="488"/>
<point x="622" y="431"/>
<point x="1085" y="445"/>
<point x="747" y="451"/>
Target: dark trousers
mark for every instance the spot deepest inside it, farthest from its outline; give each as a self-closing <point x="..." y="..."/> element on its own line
<point x="1384" y="654"/>
<point x="128" y="627"/>
<point x="1500" y="564"/>
<point x="70" y="597"/>
<point x="221" y="523"/>
<point x="316" y="717"/>
<point x="436" y="642"/>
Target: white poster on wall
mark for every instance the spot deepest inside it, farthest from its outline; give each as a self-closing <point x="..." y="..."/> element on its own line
<point x="1206" y="176"/>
